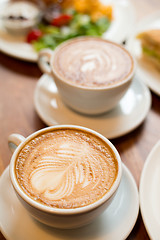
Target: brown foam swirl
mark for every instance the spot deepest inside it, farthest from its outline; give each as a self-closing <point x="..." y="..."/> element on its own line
<point x="66" y="168"/>
<point x="92" y="62"/>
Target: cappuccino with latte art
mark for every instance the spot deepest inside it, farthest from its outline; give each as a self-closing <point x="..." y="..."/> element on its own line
<point x="66" y="168"/>
<point x="65" y="175"/>
<point x="91" y="74"/>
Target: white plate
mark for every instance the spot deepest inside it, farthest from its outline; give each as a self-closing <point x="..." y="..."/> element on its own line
<point x="146" y="71"/>
<point x="150" y="193"/>
<point x="124" y="18"/>
<point x="13" y="45"/>
<point x="129" y="113"/>
<point x="115" y="223"/>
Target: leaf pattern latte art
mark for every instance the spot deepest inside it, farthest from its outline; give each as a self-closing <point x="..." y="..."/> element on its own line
<point x="67" y="172"/>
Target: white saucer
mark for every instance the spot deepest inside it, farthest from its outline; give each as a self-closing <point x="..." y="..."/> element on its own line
<point x="124" y="18"/>
<point x="145" y="71"/>
<point x="115" y="223"/>
<point x="150" y="193"/>
<point x="130" y="112"/>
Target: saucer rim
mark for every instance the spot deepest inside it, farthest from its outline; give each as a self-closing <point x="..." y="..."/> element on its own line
<point x="144" y="213"/>
<point x="110" y="136"/>
<point x="134" y="190"/>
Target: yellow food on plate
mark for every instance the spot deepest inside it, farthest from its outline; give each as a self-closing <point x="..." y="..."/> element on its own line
<point x="150" y="42"/>
<point x="92" y="7"/>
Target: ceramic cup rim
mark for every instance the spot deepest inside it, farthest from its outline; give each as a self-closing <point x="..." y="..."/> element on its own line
<point x="60" y="78"/>
<point x="59" y="211"/>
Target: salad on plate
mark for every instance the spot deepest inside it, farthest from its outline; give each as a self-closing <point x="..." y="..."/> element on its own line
<point x="62" y="20"/>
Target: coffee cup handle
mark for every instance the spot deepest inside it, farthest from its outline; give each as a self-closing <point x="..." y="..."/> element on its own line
<point x="44" y="57"/>
<point x="14" y="140"/>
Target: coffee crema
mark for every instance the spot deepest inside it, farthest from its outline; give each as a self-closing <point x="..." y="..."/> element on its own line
<point x="66" y="168"/>
<point x="92" y="62"/>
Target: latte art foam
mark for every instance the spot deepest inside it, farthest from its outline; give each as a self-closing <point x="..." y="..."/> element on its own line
<point x="66" y="168"/>
<point x="92" y="62"/>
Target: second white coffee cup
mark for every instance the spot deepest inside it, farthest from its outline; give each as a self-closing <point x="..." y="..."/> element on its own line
<point x="91" y="74"/>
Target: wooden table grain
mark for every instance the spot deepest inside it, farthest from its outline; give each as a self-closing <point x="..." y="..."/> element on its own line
<point x="18" y="80"/>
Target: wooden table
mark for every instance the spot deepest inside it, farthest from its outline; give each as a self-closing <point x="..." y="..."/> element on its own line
<point x="18" y="80"/>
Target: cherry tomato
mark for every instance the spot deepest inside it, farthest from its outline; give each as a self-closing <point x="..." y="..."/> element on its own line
<point x="61" y="20"/>
<point x="34" y="35"/>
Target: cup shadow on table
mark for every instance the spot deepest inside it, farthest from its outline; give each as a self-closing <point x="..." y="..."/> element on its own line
<point x="135" y="134"/>
<point x="139" y="225"/>
<point x="22" y="67"/>
<point x="155" y="106"/>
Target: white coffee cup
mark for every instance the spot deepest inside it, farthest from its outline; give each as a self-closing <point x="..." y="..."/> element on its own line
<point x="94" y="99"/>
<point x="56" y="217"/>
